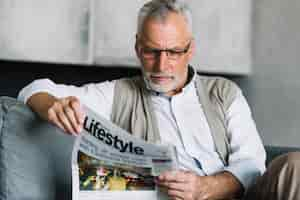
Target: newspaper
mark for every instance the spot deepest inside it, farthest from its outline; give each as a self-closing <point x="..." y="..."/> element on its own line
<point x="109" y="163"/>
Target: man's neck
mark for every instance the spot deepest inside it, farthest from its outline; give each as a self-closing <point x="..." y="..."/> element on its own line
<point x="188" y="79"/>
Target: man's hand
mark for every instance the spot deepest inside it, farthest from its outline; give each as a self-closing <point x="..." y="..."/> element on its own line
<point x="186" y="185"/>
<point x="66" y="113"/>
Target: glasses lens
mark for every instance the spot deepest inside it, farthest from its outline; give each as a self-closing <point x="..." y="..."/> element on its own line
<point x="148" y="53"/>
<point x="172" y="54"/>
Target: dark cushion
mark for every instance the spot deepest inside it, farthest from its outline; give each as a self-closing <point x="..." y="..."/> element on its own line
<point x="35" y="157"/>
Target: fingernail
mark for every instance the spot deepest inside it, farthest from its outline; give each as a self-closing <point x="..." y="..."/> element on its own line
<point x="79" y="129"/>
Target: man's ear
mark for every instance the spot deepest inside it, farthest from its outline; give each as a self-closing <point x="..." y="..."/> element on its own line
<point x="136" y="49"/>
<point x="192" y="50"/>
<point x="136" y="46"/>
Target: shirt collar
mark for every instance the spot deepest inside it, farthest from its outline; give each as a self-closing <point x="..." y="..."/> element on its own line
<point x="191" y="79"/>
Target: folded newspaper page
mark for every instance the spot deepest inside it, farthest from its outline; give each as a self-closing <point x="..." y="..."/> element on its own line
<point x="109" y="163"/>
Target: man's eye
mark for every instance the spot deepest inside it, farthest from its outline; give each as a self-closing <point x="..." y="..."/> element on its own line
<point x="174" y="52"/>
<point x="149" y="51"/>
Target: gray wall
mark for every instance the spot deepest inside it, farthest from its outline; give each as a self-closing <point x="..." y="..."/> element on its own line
<point x="274" y="89"/>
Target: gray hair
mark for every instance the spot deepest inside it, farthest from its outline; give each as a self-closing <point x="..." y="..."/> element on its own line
<point x="161" y="8"/>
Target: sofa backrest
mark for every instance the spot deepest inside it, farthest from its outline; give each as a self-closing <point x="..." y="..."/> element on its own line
<point x="35" y="156"/>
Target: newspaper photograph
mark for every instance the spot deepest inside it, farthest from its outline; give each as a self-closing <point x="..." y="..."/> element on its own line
<point x="109" y="163"/>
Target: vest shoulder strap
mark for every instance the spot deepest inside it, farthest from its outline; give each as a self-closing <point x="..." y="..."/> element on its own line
<point x="132" y="109"/>
<point x="216" y="94"/>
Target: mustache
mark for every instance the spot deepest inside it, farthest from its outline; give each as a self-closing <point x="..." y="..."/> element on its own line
<point x="155" y="74"/>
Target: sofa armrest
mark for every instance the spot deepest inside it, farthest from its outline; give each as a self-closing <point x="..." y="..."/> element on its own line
<point x="35" y="156"/>
<point x="274" y="151"/>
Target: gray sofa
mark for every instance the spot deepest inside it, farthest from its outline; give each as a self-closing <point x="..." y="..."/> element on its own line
<point x="35" y="157"/>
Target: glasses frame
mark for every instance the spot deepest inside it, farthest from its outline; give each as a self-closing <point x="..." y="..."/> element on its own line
<point x="155" y="53"/>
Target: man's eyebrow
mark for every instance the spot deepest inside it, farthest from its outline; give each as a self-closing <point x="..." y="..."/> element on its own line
<point x="176" y="47"/>
<point x="149" y="47"/>
<point x="147" y="40"/>
<point x="150" y="44"/>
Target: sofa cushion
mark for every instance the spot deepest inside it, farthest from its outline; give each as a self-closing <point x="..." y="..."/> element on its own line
<point x="35" y="157"/>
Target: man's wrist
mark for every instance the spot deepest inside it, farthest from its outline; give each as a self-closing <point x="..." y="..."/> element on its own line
<point x="228" y="185"/>
<point x="223" y="185"/>
<point x="40" y="103"/>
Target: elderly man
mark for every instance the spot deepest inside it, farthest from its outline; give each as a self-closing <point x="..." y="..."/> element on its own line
<point x="207" y="118"/>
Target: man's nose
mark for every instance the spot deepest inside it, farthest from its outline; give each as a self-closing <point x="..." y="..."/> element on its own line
<point x="162" y="61"/>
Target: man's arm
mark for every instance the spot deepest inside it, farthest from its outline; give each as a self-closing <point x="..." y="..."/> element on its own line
<point x="246" y="162"/>
<point x="247" y="155"/>
<point x="190" y="186"/>
<point x="61" y="104"/>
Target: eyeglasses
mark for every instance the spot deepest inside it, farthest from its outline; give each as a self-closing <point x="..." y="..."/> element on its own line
<point x="172" y="54"/>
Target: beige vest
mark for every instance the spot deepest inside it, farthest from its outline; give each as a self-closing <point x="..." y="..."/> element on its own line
<point x="132" y="109"/>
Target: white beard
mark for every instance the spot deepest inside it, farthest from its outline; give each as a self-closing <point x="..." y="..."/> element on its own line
<point x="158" y="87"/>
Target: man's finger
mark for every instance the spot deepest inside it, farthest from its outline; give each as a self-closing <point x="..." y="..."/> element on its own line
<point x="173" y="176"/>
<point x="77" y="108"/>
<point x="54" y="120"/>
<point x="65" y="122"/>
<point x="70" y="114"/>
<point x="174" y="185"/>
<point x="177" y="198"/>
<point x="175" y="194"/>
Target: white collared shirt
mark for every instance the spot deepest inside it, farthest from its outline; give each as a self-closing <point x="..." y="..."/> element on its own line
<point x="181" y="122"/>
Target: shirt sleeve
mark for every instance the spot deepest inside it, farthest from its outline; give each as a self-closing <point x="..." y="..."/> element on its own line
<point x="96" y="96"/>
<point x="247" y="154"/>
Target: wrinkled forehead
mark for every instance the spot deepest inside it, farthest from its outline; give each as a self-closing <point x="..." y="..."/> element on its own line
<point x="172" y="30"/>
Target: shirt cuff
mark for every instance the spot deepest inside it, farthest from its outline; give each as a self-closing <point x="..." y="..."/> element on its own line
<point x="41" y="85"/>
<point x="245" y="171"/>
